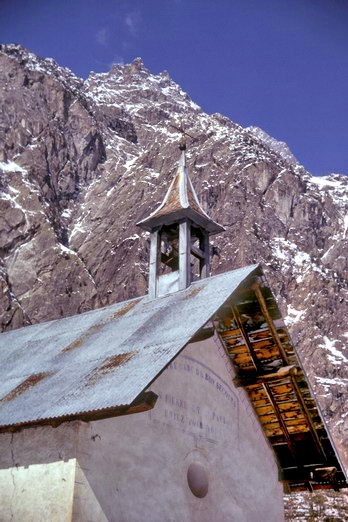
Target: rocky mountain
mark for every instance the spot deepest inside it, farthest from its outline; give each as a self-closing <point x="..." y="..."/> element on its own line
<point x="278" y="146"/>
<point x="81" y="161"/>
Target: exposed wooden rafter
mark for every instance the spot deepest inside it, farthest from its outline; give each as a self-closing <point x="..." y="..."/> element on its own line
<point x="245" y="336"/>
<point x="308" y="418"/>
<point x="259" y="346"/>
<point x="266" y="314"/>
<point x="278" y="414"/>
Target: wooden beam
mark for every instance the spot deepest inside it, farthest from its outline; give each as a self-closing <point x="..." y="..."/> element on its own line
<point x="247" y="342"/>
<point x="308" y="418"/>
<point x="280" y="420"/>
<point x="265" y="313"/>
<point x="325" y="473"/>
<point x="202" y="334"/>
<point x="310" y="472"/>
<point x="283" y="373"/>
<point x="197" y="252"/>
<point x="205" y="269"/>
<point x="184" y="254"/>
<point x="154" y="255"/>
<point x="171" y="261"/>
<point x="144" y="402"/>
<point x="293" y="430"/>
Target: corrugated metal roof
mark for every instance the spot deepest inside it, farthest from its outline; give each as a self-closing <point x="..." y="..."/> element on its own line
<point x="104" y="358"/>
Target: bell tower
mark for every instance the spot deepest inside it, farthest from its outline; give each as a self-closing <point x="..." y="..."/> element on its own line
<point x="180" y="230"/>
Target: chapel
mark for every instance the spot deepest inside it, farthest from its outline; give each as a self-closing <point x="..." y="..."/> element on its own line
<point x="187" y="404"/>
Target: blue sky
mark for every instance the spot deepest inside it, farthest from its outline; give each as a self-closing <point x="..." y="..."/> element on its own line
<point x="278" y="64"/>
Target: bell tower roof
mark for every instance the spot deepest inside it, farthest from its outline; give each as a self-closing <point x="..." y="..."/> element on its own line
<point x="180" y="202"/>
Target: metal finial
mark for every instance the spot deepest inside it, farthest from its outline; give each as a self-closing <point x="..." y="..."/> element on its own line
<point x="181" y="129"/>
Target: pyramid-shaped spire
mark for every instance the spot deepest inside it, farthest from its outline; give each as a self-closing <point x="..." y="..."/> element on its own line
<point x="180" y="202"/>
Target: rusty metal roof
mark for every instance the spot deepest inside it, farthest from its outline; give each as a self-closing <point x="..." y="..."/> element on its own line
<point x="180" y="201"/>
<point x="104" y="358"/>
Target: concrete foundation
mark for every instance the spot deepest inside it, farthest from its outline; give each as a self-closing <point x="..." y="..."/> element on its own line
<point x="135" y="468"/>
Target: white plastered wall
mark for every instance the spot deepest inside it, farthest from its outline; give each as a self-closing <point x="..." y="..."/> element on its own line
<point x="137" y="465"/>
<point x="37" y="474"/>
<point x="134" y="468"/>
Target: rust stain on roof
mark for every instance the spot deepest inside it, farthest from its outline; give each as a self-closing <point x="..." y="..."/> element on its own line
<point x="193" y="292"/>
<point x="25" y="385"/>
<point x="121" y="382"/>
<point x="73" y="345"/>
<point x="119" y="313"/>
<point x="126" y="308"/>
<point x="82" y="338"/>
<point x="115" y="361"/>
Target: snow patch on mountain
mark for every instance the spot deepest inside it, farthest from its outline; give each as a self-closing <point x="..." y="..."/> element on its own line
<point x="333" y="354"/>
<point x="280" y="147"/>
<point x="11" y="166"/>
<point x="290" y="257"/>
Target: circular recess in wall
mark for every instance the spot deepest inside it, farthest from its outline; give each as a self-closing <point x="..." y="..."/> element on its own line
<point x="197" y="479"/>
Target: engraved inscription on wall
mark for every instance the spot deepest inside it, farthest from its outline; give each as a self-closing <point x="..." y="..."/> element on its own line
<point x="197" y="401"/>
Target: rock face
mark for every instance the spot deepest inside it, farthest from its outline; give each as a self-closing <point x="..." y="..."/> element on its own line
<point x="82" y="161"/>
<point x="278" y="146"/>
<point x="317" y="506"/>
